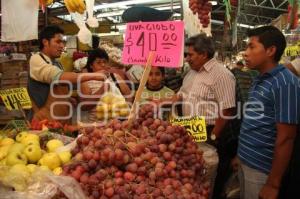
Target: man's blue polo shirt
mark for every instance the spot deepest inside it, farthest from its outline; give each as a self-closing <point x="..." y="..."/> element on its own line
<point x="273" y="98"/>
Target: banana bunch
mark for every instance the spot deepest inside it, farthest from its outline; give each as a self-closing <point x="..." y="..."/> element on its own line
<point x="75" y="6"/>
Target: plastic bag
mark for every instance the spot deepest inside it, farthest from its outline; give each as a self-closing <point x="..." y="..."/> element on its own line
<point x="84" y="35"/>
<point x="19" y="20"/>
<point x="91" y="21"/>
<point x="42" y="185"/>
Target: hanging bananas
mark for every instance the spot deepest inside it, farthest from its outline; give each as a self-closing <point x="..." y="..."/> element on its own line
<point x="75" y="6"/>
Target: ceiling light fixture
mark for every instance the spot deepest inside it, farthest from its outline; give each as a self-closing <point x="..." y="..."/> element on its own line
<point x="126" y="3"/>
<point x="214" y="3"/>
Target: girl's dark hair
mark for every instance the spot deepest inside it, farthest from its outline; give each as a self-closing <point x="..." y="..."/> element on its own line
<point x="93" y="55"/>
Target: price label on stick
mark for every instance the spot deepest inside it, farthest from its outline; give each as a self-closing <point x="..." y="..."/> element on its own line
<point x="12" y="97"/>
<point x="195" y="126"/>
<point x="164" y="38"/>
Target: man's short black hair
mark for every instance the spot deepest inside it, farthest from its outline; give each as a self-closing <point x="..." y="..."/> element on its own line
<point x="93" y="55"/>
<point x="48" y="33"/>
<point x="270" y="36"/>
<point x="201" y="44"/>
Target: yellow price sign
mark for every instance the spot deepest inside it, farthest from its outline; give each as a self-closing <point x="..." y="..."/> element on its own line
<point x="12" y="97"/>
<point x="195" y="126"/>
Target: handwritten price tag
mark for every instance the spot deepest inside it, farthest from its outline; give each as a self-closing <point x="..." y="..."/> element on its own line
<point x="195" y="126"/>
<point x="11" y="98"/>
<point x="163" y="38"/>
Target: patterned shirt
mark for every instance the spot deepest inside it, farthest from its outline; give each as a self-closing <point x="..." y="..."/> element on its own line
<point x="207" y="90"/>
<point x="273" y="98"/>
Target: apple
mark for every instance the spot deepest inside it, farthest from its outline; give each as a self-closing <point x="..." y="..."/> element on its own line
<point x="7" y="141"/>
<point x="4" y="151"/>
<point x="53" y="144"/>
<point x="16" y="158"/>
<point x="57" y="171"/>
<point x="32" y="167"/>
<point x="51" y="160"/>
<point x="16" y="147"/>
<point x="33" y="153"/>
<point x="21" y="136"/>
<point x="65" y="157"/>
<point x="32" y="142"/>
<point x="29" y="138"/>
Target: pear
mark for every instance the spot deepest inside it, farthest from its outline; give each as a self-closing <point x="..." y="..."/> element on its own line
<point x="53" y="144"/>
<point x="16" y="158"/>
<point x="33" y="153"/>
<point x="65" y="157"/>
<point x="51" y="160"/>
<point x="21" y="136"/>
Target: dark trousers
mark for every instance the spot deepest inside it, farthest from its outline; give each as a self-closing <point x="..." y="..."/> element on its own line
<point x="290" y="186"/>
<point x="226" y="148"/>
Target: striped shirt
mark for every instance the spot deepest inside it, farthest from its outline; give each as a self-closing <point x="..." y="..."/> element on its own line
<point x="274" y="98"/>
<point x="204" y="91"/>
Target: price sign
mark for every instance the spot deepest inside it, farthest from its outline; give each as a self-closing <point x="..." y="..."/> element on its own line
<point x="11" y="98"/>
<point x="195" y="126"/>
<point x="163" y="38"/>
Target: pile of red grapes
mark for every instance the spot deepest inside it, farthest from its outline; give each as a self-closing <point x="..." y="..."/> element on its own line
<point x="203" y="8"/>
<point x="147" y="159"/>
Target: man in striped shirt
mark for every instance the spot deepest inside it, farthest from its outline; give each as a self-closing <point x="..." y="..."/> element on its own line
<point x="271" y="116"/>
<point x="208" y="90"/>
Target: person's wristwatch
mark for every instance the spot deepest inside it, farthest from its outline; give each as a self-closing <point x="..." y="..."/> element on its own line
<point x="213" y="137"/>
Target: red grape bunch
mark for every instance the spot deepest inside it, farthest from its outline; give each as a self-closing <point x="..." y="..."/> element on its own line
<point x="203" y="8"/>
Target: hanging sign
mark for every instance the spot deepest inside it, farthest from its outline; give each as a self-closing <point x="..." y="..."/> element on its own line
<point x="195" y="126"/>
<point x="11" y="98"/>
<point x="163" y="38"/>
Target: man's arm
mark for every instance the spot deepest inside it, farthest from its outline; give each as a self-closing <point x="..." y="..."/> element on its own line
<point x="222" y="120"/>
<point x="82" y="77"/>
<point x="286" y="134"/>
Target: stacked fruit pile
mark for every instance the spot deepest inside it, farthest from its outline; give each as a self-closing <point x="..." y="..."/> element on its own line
<point x="151" y="160"/>
<point x="25" y="154"/>
<point x="112" y="106"/>
<point x="203" y="8"/>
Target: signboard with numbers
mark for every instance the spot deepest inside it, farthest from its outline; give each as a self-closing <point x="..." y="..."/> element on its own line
<point x="163" y="38"/>
<point x="11" y="98"/>
<point x="195" y="126"/>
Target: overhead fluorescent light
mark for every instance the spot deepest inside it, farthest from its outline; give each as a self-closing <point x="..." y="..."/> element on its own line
<point x="214" y="3"/>
<point x="239" y="24"/>
<point x="109" y="34"/>
<point x="125" y="3"/>
<point x="119" y="13"/>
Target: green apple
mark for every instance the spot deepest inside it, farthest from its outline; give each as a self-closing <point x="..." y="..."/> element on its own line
<point x="53" y="144"/>
<point x="65" y="157"/>
<point x="21" y="136"/>
<point x="16" y="147"/>
<point x="33" y="153"/>
<point x="57" y="171"/>
<point x="31" y="167"/>
<point x="7" y="141"/>
<point x="4" y="151"/>
<point x="51" y="160"/>
<point x="29" y="138"/>
<point x="16" y="158"/>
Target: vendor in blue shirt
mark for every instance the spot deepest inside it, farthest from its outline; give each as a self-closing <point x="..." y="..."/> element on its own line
<point x="271" y="117"/>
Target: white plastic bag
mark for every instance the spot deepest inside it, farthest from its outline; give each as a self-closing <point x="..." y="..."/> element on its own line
<point x="84" y="35"/>
<point x="19" y="20"/>
<point x="91" y="21"/>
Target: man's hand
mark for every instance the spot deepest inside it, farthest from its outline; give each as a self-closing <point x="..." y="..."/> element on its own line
<point x="268" y="192"/>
